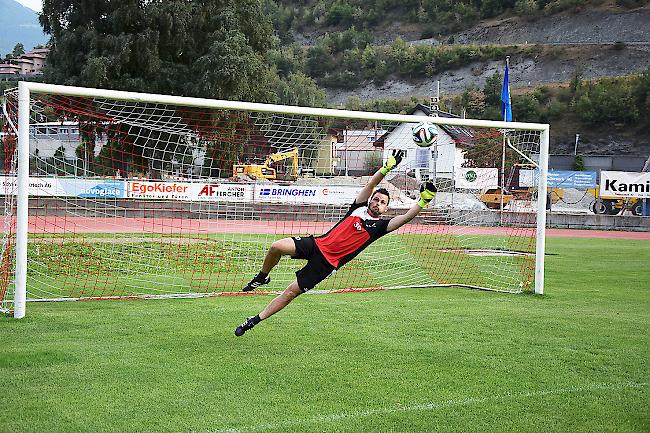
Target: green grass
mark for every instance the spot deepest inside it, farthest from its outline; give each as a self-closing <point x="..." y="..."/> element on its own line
<point x="443" y="359"/>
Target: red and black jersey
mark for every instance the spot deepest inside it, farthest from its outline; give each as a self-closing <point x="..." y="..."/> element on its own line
<point x="356" y="230"/>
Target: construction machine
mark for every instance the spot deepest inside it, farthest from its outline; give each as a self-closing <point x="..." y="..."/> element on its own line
<point x="516" y="191"/>
<point x="613" y="205"/>
<point x="265" y="170"/>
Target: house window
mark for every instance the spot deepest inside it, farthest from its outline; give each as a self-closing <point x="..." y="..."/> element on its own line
<point x="41" y="130"/>
<point x="422" y="158"/>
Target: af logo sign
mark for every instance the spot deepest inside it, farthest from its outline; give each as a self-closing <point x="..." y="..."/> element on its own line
<point x="208" y="190"/>
<point x="223" y="192"/>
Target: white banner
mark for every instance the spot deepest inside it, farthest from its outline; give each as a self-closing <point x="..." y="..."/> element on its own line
<point x="66" y="187"/>
<point x="339" y="195"/>
<point x="477" y="178"/>
<point x="189" y="191"/>
<point x="624" y="184"/>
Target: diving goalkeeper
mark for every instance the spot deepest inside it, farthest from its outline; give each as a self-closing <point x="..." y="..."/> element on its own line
<point x="360" y="227"/>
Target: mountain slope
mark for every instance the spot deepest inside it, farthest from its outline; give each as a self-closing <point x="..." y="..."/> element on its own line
<point x="601" y="43"/>
<point x="18" y="24"/>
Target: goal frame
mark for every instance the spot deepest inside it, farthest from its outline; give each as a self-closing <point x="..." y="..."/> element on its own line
<point x="25" y="89"/>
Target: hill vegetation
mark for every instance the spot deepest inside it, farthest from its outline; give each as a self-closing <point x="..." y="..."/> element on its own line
<point x="429" y="17"/>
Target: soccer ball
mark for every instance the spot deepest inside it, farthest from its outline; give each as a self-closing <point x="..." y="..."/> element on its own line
<point x="425" y="134"/>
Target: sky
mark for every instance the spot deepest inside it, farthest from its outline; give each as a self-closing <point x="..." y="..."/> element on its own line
<point x="36" y="5"/>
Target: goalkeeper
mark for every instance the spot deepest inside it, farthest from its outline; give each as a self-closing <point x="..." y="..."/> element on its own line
<point x="360" y="226"/>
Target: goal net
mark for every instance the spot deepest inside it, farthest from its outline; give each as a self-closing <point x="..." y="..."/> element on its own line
<point x="120" y="195"/>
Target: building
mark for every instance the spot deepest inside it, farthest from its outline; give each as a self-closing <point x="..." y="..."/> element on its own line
<point x="359" y="152"/>
<point x="324" y="161"/>
<point x="29" y="64"/>
<point x="439" y="161"/>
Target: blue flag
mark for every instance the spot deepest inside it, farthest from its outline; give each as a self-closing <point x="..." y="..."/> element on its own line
<point x="506" y="103"/>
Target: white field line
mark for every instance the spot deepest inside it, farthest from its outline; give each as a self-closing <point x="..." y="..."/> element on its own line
<point x="469" y="401"/>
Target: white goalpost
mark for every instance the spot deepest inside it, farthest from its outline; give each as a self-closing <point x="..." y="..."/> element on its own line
<point x="122" y="195"/>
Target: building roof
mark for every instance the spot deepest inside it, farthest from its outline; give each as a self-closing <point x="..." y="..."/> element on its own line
<point x="370" y="139"/>
<point x="462" y="135"/>
<point x="33" y="55"/>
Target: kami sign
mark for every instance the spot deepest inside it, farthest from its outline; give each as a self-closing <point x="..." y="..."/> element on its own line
<point x="624" y="184"/>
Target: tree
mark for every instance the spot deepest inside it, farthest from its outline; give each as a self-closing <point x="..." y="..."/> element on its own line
<point x="642" y="93"/>
<point x="579" y="163"/>
<point x="492" y="90"/>
<point x="474" y="102"/>
<point x="213" y="48"/>
<point x="18" y="51"/>
<point x="59" y="161"/>
<point x="299" y="89"/>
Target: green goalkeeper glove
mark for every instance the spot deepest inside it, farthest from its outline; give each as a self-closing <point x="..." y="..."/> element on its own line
<point x="392" y="161"/>
<point x="427" y="193"/>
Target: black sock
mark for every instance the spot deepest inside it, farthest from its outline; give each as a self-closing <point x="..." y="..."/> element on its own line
<point x="256" y="319"/>
<point x="262" y="276"/>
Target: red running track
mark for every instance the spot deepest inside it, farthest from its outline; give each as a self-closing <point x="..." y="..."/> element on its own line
<point x="196" y="226"/>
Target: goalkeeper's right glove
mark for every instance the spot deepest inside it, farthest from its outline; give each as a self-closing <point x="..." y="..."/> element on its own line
<point x="392" y="161"/>
<point x="427" y="193"/>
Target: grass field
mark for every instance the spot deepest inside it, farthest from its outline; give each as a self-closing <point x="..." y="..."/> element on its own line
<point x="409" y="360"/>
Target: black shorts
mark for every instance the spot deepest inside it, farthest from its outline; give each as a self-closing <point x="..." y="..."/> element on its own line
<point x="317" y="268"/>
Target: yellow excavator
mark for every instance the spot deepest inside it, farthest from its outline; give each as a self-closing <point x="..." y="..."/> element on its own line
<point x="265" y="170"/>
<point x="614" y="205"/>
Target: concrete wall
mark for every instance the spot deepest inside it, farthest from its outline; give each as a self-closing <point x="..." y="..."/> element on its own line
<point x="131" y="208"/>
<point x="597" y="163"/>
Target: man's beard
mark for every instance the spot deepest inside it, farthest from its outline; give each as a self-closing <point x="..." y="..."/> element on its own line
<point x="373" y="213"/>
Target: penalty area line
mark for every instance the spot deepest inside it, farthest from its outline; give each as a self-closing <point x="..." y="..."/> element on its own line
<point x="469" y="401"/>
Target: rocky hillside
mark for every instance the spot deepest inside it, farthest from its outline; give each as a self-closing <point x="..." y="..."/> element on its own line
<point x="601" y="42"/>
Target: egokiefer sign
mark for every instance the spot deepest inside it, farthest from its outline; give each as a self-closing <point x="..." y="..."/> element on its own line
<point x="194" y="191"/>
<point x="624" y="184"/>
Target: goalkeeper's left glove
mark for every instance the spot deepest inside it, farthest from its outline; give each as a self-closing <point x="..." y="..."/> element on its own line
<point x="392" y="161"/>
<point x="427" y="193"/>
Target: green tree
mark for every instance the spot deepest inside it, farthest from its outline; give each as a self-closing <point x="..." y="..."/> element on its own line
<point x="526" y="108"/>
<point x="642" y="94"/>
<point x="526" y="8"/>
<point x="579" y="163"/>
<point x="299" y="89"/>
<point x="18" y="50"/>
<point x="473" y="100"/>
<point x="319" y="60"/>
<point x="492" y="90"/>
<point x="213" y="48"/>
<point x="59" y="160"/>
